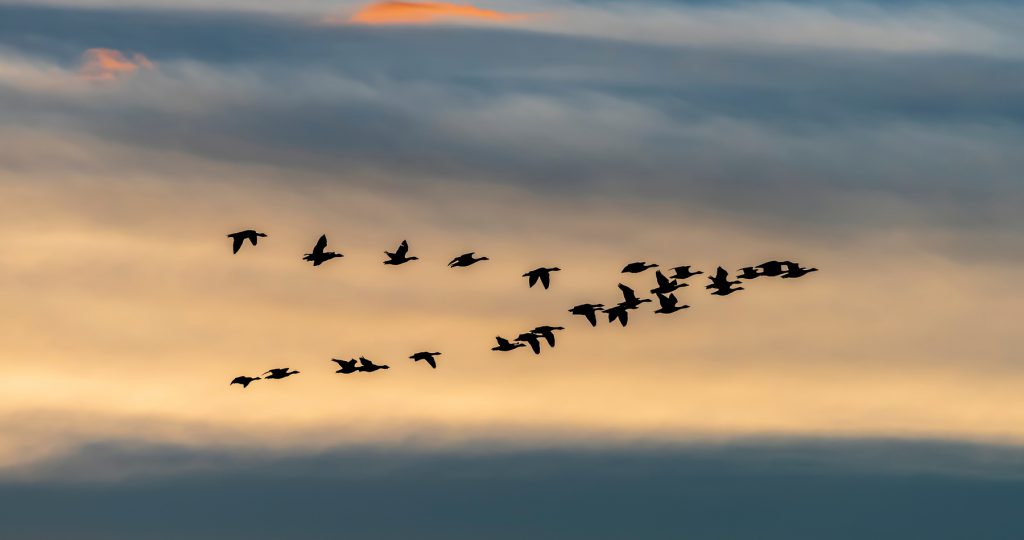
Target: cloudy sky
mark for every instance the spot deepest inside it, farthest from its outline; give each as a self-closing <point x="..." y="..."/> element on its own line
<point x="877" y="141"/>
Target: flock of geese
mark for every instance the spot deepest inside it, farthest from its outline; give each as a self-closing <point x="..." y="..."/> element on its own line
<point x="720" y="285"/>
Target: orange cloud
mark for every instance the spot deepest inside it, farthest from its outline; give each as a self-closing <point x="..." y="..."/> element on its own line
<point x="396" y="12"/>
<point x="109" y="64"/>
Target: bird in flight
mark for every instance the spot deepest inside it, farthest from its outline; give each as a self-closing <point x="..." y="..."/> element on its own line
<point x="532" y="339"/>
<point x="793" y="270"/>
<point x="399" y="256"/>
<point x="548" y="333"/>
<point x="587" y="310"/>
<point x="506" y="345"/>
<point x="279" y="373"/>
<point x="346" y="366"/>
<point x="428" y="356"/>
<point x="543" y="274"/>
<point x="239" y="238"/>
<point x="620" y="312"/>
<point x="630" y="301"/>
<point x="244" y="381"/>
<point x="466" y="259"/>
<point x="748" y="272"/>
<point x="669" y="304"/>
<point x="636" y="267"/>
<point x="319" y="256"/>
<point x="772" y="268"/>
<point x="666" y="285"/>
<point x="367" y="366"/>
<point x="721" y="280"/>
<point x="683" y="272"/>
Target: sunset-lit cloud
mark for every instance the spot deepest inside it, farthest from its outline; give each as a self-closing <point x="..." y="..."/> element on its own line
<point x="396" y="12"/>
<point x="100" y="64"/>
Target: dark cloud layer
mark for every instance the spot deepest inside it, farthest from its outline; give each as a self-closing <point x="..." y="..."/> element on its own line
<point x="815" y="135"/>
<point x="839" y="490"/>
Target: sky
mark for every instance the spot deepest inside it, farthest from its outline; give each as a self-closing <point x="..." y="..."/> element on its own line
<point x="877" y="141"/>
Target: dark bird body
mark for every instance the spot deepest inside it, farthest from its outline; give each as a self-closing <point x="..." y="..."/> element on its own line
<point x="319" y="256"/>
<point x="506" y="345"/>
<point x="279" y="373"/>
<point x="669" y="304"/>
<point x="748" y="272"/>
<point x="630" y="301"/>
<point x="367" y="366"/>
<point x="466" y="259"/>
<point x="428" y="356"/>
<point x="793" y="270"/>
<point x="548" y="333"/>
<point x="666" y="285"/>
<point x="542" y="274"/>
<point x="636" y="267"/>
<point x="346" y="366"/>
<point x="400" y="255"/>
<point x="239" y="238"/>
<point x="618" y="312"/>
<point x="587" y="310"/>
<point x="532" y="339"/>
<point x="244" y="381"/>
<point x="683" y="272"/>
<point x="772" y="268"/>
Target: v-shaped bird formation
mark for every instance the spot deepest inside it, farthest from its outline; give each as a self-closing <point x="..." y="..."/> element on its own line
<point x="665" y="288"/>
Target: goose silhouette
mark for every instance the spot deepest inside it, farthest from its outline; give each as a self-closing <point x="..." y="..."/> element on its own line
<point x="772" y="268"/>
<point x="748" y="272"/>
<point x="346" y="366"/>
<point x="548" y="333"/>
<point x="666" y="285"/>
<point x="319" y="256"/>
<point x="630" y="301"/>
<point x="466" y="259"/>
<point x="505" y="345"/>
<point x="279" y="373"/>
<point x="636" y="267"/>
<point x="721" y="280"/>
<point x="239" y="238"/>
<point x="587" y="310"/>
<point x="669" y="304"/>
<point x="399" y="256"/>
<point x="532" y="339"/>
<point x="428" y="356"/>
<point x="793" y="270"/>
<point x="618" y="312"/>
<point x="683" y="272"/>
<point x="367" y="366"/>
<point x="244" y="381"/>
<point x="543" y="274"/>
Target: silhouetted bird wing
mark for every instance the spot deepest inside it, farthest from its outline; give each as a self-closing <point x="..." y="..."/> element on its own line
<point x="627" y="294"/>
<point x="403" y="248"/>
<point x="545" y="279"/>
<point x="663" y="281"/>
<point x="430" y="360"/>
<point x="533" y="278"/>
<point x="237" y="241"/>
<point x="592" y="317"/>
<point x="318" y="249"/>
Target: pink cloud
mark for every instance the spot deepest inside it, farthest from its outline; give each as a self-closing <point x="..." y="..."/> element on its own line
<point x="109" y="64"/>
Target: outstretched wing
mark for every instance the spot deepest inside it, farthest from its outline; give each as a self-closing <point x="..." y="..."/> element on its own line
<point x="320" y="244"/>
<point x="535" y="345"/>
<point x="624" y="317"/>
<point x="666" y="301"/>
<point x="533" y="278"/>
<point x="627" y="294"/>
<point x="592" y="317"/>
<point x="403" y="248"/>
<point x="662" y="280"/>
<point x="545" y="279"/>
<point x="430" y="360"/>
<point x="236" y="242"/>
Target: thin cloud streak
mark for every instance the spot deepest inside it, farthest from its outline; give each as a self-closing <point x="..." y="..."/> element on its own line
<point x="385" y="13"/>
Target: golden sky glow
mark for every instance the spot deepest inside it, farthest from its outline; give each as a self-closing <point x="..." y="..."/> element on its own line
<point x="426" y="13"/>
<point x="122" y="310"/>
